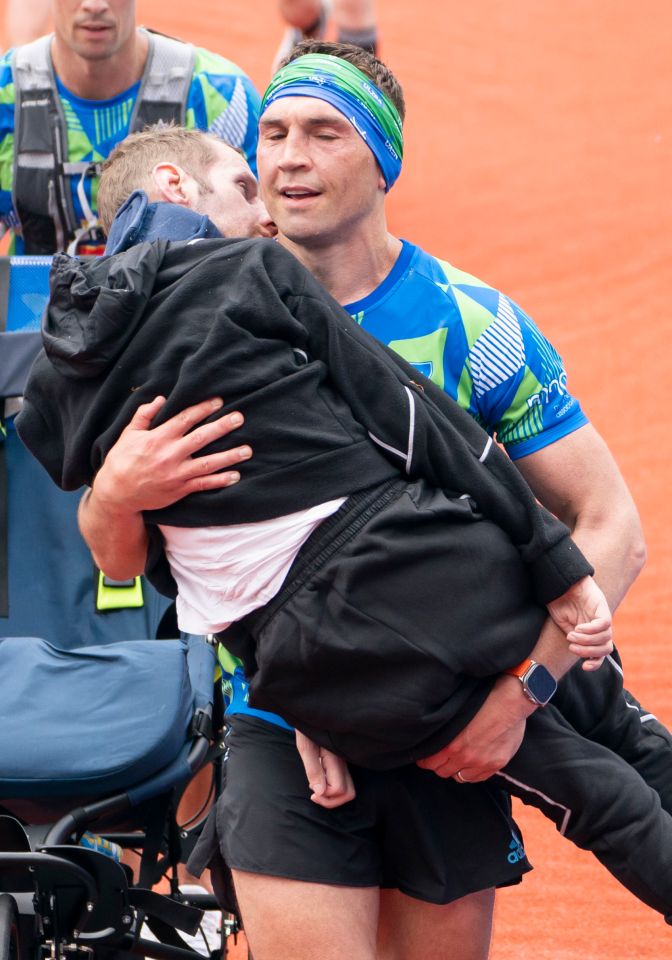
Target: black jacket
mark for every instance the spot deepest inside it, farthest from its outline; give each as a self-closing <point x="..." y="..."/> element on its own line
<point x="328" y="410"/>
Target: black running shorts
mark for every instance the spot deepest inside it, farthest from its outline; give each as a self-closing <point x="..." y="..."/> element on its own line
<point x="407" y="829"/>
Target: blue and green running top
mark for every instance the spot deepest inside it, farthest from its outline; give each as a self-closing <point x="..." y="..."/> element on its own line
<point x="236" y="689"/>
<point x="221" y="100"/>
<point x="479" y="347"/>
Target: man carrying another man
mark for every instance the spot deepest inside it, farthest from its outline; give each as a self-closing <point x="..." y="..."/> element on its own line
<point x="326" y="192"/>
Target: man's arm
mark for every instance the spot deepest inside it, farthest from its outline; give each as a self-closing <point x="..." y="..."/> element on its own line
<point x="148" y="469"/>
<point x="578" y="480"/>
<point x="488" y="742"/>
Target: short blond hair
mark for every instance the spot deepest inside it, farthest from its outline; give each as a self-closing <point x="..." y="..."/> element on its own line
<point x="129" y="166"/>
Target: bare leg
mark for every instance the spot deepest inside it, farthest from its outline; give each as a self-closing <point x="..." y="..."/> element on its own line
<point x="354" y="14"/>
<point x="305" y="921"/>
<point x="192" y="804"/>
<point x="412" y="929"/>
<point x="302" y="14"/>
<point x="305" y="18"/>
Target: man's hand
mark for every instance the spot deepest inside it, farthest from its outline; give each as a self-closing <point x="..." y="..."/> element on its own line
<point x="149" y="469"/>
<point x="328" y="775"/>
<point x="489" y="741"/>
<point x="583" y="614"/>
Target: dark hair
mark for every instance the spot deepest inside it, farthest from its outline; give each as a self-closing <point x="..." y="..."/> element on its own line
<point x="374" y="68"/>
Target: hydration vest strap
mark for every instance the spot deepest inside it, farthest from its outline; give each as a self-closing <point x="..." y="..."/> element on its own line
<point x="165" y="84"/>
<point x="41" y="192"/>
<point x="117" y="594"/>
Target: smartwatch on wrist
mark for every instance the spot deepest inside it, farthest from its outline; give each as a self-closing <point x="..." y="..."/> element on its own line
<point x="538" y="684"/>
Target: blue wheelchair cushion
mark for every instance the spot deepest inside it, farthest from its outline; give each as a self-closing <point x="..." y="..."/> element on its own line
<point x="90" y="721"/>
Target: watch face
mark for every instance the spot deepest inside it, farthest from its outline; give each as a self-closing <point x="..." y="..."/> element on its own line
<point x="540" y="683"/>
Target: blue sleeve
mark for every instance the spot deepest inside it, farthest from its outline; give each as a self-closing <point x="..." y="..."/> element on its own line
<point x="521" y="387"/>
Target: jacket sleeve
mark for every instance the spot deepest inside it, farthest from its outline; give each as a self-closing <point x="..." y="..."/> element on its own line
<point x="428" y="435"/>
<point x="39" y="424"/>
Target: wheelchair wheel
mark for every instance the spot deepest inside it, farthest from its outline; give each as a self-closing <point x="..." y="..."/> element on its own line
<point x="9" y="928"/>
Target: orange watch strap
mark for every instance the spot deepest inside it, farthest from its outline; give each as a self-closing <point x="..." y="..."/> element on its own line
<point x="521" y="669"/>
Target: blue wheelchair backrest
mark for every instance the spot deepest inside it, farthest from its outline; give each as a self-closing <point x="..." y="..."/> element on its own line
<point x="24" y="291"/>
<point x="46" y="574"/>
<point x="98" y="720"/>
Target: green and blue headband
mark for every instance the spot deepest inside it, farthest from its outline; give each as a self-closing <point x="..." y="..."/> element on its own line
<point x="339" y="83"/>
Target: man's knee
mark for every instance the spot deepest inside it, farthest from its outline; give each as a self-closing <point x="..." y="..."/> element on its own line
<point x="290" y="918"/>
<point x="413" y="929"/>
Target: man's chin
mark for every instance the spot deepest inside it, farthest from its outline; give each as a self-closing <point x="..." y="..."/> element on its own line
<point x="94" y="52"/>
<point x="297" y="229"/>
<point x="95" y="45"/>
<point x="305" y="239"/>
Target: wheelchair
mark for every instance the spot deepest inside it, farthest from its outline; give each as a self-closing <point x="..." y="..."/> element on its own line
<point x="97" y="744"/>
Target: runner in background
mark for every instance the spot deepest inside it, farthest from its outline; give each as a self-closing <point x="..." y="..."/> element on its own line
<point x="354" y="20"/>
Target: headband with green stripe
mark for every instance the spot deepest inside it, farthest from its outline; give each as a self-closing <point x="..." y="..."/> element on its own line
<point x="339" y="83"/>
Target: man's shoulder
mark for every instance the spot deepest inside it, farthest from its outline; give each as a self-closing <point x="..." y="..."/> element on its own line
<point x="465" y="297"/>
<point x="513" y="378"/>
<point x="265" y="257"/>
<point x="453" y="281"/>
<point x="222" y="99"/>
<point x="478" y="303"/>
<point x="241" y="254"/>
<point x="207" y="63"/>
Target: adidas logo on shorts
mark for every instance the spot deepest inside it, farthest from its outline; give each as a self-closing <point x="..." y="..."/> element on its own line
<point x="517" y="850"/>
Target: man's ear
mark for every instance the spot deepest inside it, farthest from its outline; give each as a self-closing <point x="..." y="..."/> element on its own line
<point x="171" y="183"/>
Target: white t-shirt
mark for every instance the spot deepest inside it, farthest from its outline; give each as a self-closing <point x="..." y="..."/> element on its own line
<point x="223" y="573"/>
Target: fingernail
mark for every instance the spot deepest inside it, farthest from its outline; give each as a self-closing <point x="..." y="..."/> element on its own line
<point x="236" y="419"/>
<point x="233" y="478"/>
<point x="217" y="403"/>
<point x="245" y="452"/>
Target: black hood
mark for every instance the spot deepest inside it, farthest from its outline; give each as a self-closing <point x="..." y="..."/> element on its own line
<point x="94" y="308"/>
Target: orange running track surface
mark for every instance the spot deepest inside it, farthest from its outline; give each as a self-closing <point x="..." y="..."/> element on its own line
<point x="538" y="156"/>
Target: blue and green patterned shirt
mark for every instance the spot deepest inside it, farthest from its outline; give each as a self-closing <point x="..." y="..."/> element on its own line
<point x="479" y="347"/>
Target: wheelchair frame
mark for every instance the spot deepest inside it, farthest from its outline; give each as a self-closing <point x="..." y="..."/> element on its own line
<point x="67" y="902"/>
